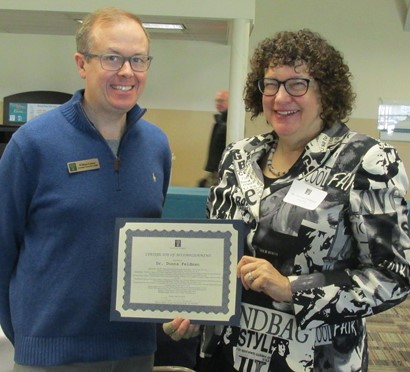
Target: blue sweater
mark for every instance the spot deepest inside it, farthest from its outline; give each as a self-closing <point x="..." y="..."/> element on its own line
<point x="57" y="234"/>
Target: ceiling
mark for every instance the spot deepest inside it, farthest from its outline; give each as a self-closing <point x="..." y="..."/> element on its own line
<point x="65" y="23"/>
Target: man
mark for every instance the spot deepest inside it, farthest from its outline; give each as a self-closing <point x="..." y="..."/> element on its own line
<point x="65" y="178"/>
<point x="217" y="142"/>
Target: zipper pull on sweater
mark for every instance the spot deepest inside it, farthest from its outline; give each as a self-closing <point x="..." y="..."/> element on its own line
<point x="117" y="164"/>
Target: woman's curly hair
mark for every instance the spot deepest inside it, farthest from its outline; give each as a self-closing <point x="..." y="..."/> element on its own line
<point x="324" y="63"/>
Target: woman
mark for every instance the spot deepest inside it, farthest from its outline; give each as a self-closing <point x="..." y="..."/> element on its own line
<point x="325" y="211"/>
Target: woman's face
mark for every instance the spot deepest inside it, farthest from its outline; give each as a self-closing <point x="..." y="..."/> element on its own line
<point x="294" y="119"/>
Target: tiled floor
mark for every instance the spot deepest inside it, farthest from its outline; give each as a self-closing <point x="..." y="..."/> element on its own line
<point x="389" y="340"/>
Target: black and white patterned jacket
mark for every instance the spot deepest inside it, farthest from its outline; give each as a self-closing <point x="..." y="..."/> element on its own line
<point x="341" y="237"/>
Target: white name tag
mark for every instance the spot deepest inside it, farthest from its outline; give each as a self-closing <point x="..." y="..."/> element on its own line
<point x="83" y="165"/>
<point x="304" y="195"/>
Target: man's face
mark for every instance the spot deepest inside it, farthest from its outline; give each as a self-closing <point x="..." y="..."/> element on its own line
<point x="113" y="92"/>
<point x="221" y="102"/>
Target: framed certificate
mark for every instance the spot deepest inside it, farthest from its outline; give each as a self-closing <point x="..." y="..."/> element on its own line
<point x="165" y="269"/>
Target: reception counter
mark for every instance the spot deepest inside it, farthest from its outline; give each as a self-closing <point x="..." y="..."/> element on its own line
<point x="185" y="202"/>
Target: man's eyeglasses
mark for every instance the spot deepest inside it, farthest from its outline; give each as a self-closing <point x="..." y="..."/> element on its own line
<point x="296" y="87"/>
<point x="114" y="62"/>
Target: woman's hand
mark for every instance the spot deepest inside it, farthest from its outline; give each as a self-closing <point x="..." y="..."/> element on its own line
<point x="260" y="276"/>
<point x="181" y="328"/>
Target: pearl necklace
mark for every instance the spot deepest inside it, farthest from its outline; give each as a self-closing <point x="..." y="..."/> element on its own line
<point x="274" y="171"/>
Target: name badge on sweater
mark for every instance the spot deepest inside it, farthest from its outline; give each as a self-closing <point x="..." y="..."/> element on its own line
<point x="83" y="165"/>
<point x="304" y="195"/>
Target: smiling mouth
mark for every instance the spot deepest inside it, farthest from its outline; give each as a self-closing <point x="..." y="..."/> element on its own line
<point x="286" y="113"/>
<point x="123" y="88"/>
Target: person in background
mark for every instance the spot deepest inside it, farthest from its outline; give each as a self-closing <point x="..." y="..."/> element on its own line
<point x="65" y="177"/>
<point x="217" y="141"/>
<point x="325" y="215"/>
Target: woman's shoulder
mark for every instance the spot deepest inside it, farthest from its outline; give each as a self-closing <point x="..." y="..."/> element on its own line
<point x="253" y="142"/>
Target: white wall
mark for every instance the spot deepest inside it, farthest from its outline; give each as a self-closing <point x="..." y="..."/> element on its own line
<point x="186" y="74"/>
<point x="37" y="62"/>
<point x="183" y="75"/>
<point x="227" y="9"/>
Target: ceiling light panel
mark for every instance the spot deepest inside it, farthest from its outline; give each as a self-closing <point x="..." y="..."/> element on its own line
<point x="164" y="26"/>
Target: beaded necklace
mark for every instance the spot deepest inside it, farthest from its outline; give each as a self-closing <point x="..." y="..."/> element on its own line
<point x="274" y="171"/>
